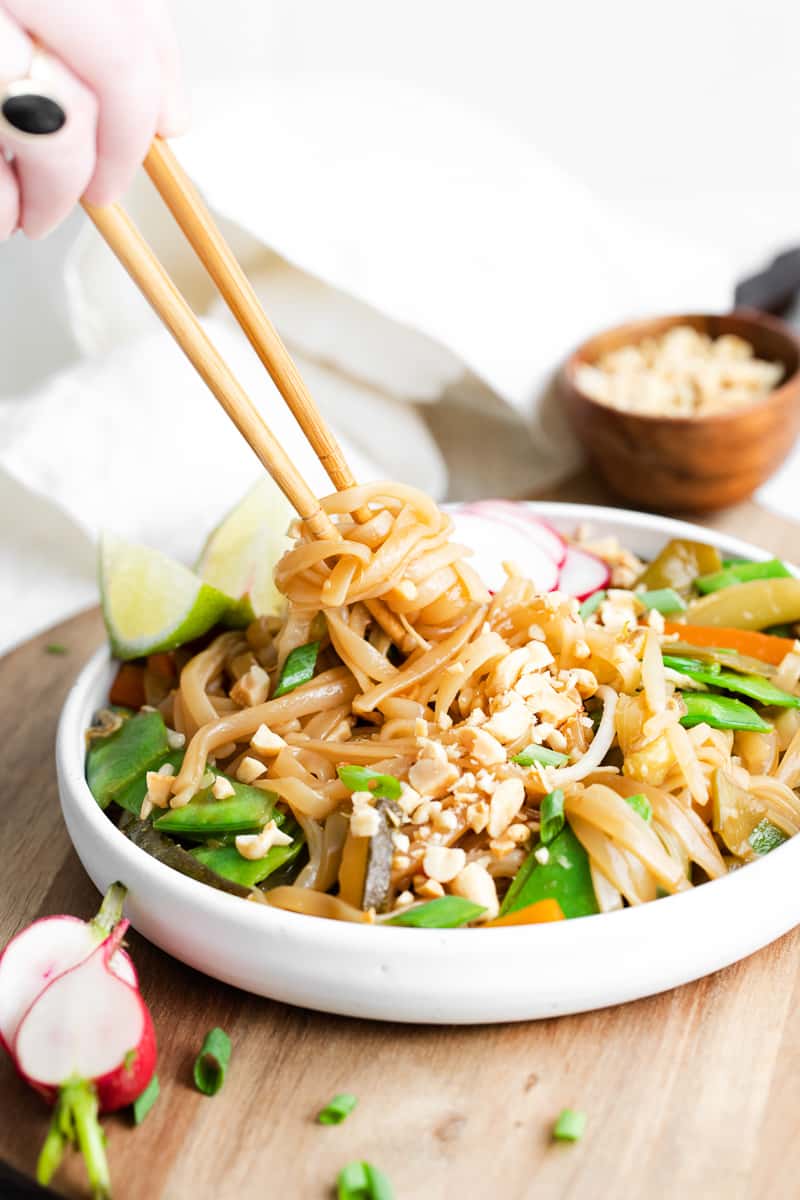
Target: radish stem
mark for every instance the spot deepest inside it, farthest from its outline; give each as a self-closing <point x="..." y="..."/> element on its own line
<point x="110" y="912"/>
<point x="75" y="1120"/>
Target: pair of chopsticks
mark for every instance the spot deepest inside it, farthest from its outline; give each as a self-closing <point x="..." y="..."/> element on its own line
<point x="138" y="259"/>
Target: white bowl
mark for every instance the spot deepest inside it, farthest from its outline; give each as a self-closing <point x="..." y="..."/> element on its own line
<point x="440" y="976"/>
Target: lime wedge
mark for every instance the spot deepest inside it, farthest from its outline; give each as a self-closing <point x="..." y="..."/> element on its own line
<point x="152" y="603"/>
<point x="240" y="556"/>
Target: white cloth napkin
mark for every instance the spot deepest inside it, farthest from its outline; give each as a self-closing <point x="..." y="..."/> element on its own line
<point x="410" y="251"/>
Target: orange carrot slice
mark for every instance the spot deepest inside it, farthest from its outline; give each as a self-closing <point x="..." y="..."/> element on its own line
<point x="765" y="646"/>
<point x="535" y="914"/>
<point x="127" y="690"/>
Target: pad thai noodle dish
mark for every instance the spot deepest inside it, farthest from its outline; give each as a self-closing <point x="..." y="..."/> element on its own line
<point x="395" y="738"/>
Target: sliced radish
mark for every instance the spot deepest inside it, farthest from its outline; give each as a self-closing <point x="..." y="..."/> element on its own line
<point x="547" y="538"/>
<point x="89" y="1024"/>
<point x="77" y="1028"/>
<point x="494" y="542"/>
<point x="37" y="955"/>
<point x="582" y="574"/>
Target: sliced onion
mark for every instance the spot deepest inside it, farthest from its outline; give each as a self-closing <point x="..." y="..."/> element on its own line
<point x="601" y="744"/>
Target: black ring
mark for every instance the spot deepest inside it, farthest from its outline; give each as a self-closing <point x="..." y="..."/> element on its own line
<point x="30" y="113"/>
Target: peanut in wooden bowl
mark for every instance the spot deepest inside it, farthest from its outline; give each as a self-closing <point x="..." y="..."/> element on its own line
<point x="689" y="463"/>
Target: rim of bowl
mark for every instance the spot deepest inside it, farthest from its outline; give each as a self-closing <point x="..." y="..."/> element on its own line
<point x="775" y="397"/>
<point x="70" y="754"/>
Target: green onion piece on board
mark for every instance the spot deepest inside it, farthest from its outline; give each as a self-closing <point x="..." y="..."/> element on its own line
<point x="541" y="756"/>
<point x="741" y="572"/>
<point x="721" y="712"/>
<point x="362" y="779"/>
<point x="663" y="600"/>
<point x="551" y="816"/>
<point x="143" y="1103"/>
<point x="362" y="1181"/>
<point x="591" y="604"/>
<point x="570" y="1126"/>
<point x="212" y="1062"/>
<point x="338" y="1109"/>
<point x="298" y="668"/>
<point x="446" y="912"/>
<point x="55" y="648"/>
<point x="766" y="837"/>
<point x="641" y="805"/>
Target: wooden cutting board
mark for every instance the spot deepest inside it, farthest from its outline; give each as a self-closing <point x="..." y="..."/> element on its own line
<point x="693" y="1093"/>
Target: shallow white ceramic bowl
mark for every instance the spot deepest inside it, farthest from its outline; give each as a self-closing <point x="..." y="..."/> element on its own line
<point x="441" y="976"/>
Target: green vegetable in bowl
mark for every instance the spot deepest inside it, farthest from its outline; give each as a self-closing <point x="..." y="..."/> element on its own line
<point x="679" y="564"/>
<point x="757" y="604"/>
<point x="741" y="572"/>
<point x="446" y="912"/>
<point x="560" y="873"/>
<point x="721" y="712"/>
<point x="757" y="688"/>
<point x="113" y="763"/>
<point x="246" y="811"/>
<point x="663" y="600"/>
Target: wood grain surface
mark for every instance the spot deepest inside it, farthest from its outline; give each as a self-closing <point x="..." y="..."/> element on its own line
<point x="689" y="1094"/>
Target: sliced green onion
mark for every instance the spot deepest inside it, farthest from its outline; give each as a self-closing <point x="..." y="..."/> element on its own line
<point x="362" y="1181"/>
<point x="363" y="779"/>
<point x="212" y="1062"/>
<point x="143" y="1103"/>
<point x="570" y="1126"/>
<point x="337" y="1109"/>
<point x="298" y="668"/>
<point x="641" y="805"/>
<point x="721" y="712"/>
<point x="663" y="600"/>
<point x="741" y="572"/>
<point x="551" y="816"/>
<point x="446" y="912"/>
<point x="542" y="756"/>
<point x="591" y="604"/>
<point x="55" y="648"/>
<point x="766" y="837"/>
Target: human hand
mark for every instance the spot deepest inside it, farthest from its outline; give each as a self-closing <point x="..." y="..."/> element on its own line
<point x="114" y="68"/>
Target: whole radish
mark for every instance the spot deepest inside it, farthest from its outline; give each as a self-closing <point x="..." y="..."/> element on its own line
<point x="48" y="948"/>
<point x="86" y="1041"/>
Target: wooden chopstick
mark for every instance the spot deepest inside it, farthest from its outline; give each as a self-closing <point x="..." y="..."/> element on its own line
<point x="136" y="256"/>
<point x="190" y="212"/>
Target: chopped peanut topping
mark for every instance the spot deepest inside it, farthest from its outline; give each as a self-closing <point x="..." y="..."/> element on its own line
<point x="159" y="787"/>
<point x="507" y="799"/>
<point x="252" y="688"/>
<point x="432" y="776"/>
<point x="476" y="884"/>
<point x="265" y="742"/>
<point x="222" y="788"/>
<point x="485" y="749"/>
<point x="255" y="845"/>
<point x="443" y="863"/>
<point x="250" y="769"/>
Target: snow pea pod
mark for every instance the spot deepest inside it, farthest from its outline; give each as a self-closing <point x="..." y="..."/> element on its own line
<point x="757" y="604"/>
<point x="114" y="762"/>
<point x="167" y="851"/>
<point x="721" y="712"/>
<point x="755" y="686"/>
<point x="228" y="862"/>
<point x="564" y="876"/>
<point x="246" y="811"/>
<point x="132" y="796"/>
<point x="742" y="572"/>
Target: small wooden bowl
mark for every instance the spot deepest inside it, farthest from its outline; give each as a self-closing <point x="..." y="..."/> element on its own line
<point x="699" y="463"/>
